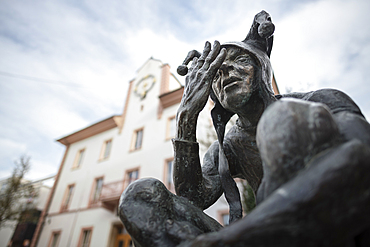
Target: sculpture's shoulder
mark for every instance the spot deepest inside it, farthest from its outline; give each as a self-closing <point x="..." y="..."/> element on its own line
<point x="336" y="100"/>
<point x="238" y="136"/>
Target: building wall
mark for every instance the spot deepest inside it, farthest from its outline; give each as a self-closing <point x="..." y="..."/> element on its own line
<point x="42" y="197"/>
<point x="90" y="168"/>
<point x="143" y="113"/>
<point x="70" y="225"/>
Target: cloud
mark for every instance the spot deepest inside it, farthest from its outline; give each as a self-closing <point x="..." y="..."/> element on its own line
<point x="89" y="51"/>
<point x="324" y="44"/>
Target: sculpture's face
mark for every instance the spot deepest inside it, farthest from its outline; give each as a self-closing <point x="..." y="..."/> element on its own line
<point x="233" y="84"/>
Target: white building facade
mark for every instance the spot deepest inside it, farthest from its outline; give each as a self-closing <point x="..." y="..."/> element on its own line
<point x="102" y="159"/>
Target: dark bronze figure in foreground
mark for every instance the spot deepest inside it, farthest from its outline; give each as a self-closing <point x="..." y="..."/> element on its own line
<point x="305" y="155"/>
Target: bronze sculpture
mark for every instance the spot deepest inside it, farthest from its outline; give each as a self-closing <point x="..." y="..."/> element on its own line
<point x="305" y="155"/>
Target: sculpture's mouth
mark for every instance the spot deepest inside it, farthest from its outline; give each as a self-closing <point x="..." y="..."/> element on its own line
<point x="230" y="81"/>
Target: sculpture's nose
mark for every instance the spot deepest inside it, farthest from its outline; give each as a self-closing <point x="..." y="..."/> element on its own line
<point x="226" y="67"/>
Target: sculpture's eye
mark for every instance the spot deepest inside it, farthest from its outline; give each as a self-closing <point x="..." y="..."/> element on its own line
<point x="242" y="59"/>
<point x="269" y="19"/>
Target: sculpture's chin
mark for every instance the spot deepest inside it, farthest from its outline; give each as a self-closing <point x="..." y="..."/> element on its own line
<point x="236" y="100"/>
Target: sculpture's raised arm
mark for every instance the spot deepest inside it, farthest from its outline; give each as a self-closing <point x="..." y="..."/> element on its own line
<point x="187" y="173"/>
<point x="197" y="89"/>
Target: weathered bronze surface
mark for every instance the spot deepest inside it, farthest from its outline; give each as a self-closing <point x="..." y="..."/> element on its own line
<point x="305" y="155"/>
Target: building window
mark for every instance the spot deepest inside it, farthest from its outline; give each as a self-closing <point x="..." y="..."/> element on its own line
<point x="171" y="127"/>
<point x="132" y="175"/>
<point x="79" y="158"/>
<point x="54" y="240"/>
<point x="67" y="197"/>
<point x="137" y="139"/>
<point x="98" y="185"/>
<point x="85" y="237"/>
<point x="168" y="174"/>
<point x="107" y="146"/>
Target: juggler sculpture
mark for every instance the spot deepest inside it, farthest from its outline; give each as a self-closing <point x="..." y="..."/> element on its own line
<point x="305" y="155"/>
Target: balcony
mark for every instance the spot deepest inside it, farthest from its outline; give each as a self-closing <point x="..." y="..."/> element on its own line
<point x="110" y="194"/>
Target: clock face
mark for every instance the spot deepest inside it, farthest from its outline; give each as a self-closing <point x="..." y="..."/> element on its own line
<point x="144" y="85"/>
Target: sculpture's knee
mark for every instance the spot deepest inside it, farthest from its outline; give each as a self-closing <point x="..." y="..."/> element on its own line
<point x="143" y="207"/>
<point x="289" y="133"/>
<point x="155" y="217"/>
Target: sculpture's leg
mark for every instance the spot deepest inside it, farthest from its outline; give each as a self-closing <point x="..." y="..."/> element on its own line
<point x="289" y="134"/>
<point x="325" y="203"/>
<point x="153" y="216"/>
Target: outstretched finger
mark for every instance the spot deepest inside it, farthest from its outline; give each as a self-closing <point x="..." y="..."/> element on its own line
<point x="216" y="64"/>
<point x="207" y="49"/>
<point x="212" y="55"/>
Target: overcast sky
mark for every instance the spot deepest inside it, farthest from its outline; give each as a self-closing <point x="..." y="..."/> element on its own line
<point x="66" y="64"/>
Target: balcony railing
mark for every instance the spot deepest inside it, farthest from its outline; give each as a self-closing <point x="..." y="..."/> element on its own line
<point x="111" y="192"/>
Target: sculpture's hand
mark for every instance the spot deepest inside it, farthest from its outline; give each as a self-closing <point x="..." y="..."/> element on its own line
<point x="199" y="79"/>
<point x="197" y="88"/>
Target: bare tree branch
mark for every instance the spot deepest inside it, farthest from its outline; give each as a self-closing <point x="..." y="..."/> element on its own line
<point x="15" y="193"/>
